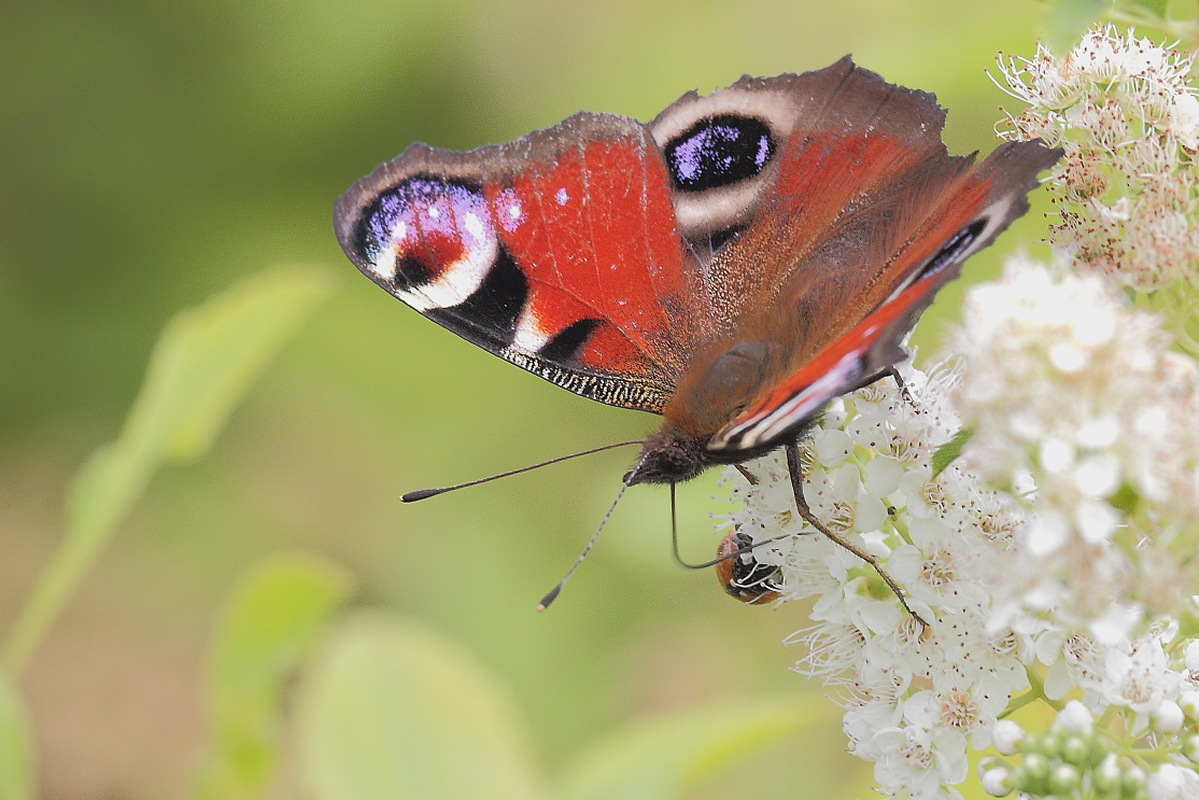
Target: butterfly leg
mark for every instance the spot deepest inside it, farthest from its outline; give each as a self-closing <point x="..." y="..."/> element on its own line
<point x="891" y="372"/>
<point x="904" y="391"/>
<point x="745" y="473"/>
<point x="793" y="467"/>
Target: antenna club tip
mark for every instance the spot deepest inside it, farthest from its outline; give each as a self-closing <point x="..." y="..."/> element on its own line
<point x="549" y="598"/>
<point x="419" y="494"/>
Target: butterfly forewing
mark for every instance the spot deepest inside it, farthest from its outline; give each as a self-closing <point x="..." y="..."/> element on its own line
<point x="557" y="252"/>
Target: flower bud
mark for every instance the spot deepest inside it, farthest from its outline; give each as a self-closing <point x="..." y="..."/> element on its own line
<point x="1007" y="737"/>
<point x="1074" y="718"/>
<point x="1064" y="780"/>
<point x="1167" y="717"/>
<point x="997" y="782"/>
<point x="1189" y="703"/>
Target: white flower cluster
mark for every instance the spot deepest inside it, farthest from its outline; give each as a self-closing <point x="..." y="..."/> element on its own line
<point x="1072" y="394"/>
<point x="1058" y="556"/>
<point x="1066" y="576"/>
<point x="914" y="700"/>
<point x="1123" y="111"/>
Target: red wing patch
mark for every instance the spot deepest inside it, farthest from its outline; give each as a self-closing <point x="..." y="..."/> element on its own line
<point x="594" y="236"/>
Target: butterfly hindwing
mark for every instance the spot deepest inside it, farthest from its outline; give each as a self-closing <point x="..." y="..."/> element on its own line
<point x="966" y="216"/>
<point x="823" y="258"/>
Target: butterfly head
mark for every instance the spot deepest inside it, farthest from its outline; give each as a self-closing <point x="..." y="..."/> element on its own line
<point x="668" y="456"/>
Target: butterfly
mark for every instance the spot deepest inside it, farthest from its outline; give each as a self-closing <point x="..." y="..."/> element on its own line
<point x="733" y="265"/>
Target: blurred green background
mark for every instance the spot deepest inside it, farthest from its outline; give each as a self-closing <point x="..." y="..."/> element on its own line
<point x="153" y="153"/>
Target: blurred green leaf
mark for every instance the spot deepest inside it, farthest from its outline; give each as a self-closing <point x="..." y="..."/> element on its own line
<point x="949" y="452"/>
<point x="392" y="711"/>
<point x="273" y="619"/>
<point x="16" y="749"/>
<point x="209" y="356"/>
<point x="663" y="759"/>
<point x="1068" y="19"/>
<point x="204" y="362"/>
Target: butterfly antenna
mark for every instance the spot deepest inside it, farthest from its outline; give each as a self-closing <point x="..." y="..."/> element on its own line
<point x="553" y="593"/>
<point x="421" y="494"/>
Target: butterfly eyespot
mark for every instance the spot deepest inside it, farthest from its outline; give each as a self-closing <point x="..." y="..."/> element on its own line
<point x="425" y="231"/>
<point x="718" y="151"/>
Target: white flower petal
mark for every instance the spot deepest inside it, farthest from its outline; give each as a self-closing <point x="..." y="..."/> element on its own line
<point x="832" y="447"/>
<point x="883" y="475"/>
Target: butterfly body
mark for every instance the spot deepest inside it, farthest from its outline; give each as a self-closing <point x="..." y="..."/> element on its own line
<point x="733" y="265"/>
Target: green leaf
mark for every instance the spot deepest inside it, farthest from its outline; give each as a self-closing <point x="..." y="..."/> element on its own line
<point x="204" y="362"/>
<point x="666" y="759"/>
<point x="949" y="452"/>
<point x="1068" y="19"/>
<point x="392" y="711"/>
<point x="273" y="620"/>
<point x="16" y="748"/>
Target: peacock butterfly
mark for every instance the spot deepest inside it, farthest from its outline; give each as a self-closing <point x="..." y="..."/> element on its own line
<point x="734" y="265"/>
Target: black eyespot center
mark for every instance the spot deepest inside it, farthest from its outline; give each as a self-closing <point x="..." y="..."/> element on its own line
<point x="718" y="151"/>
